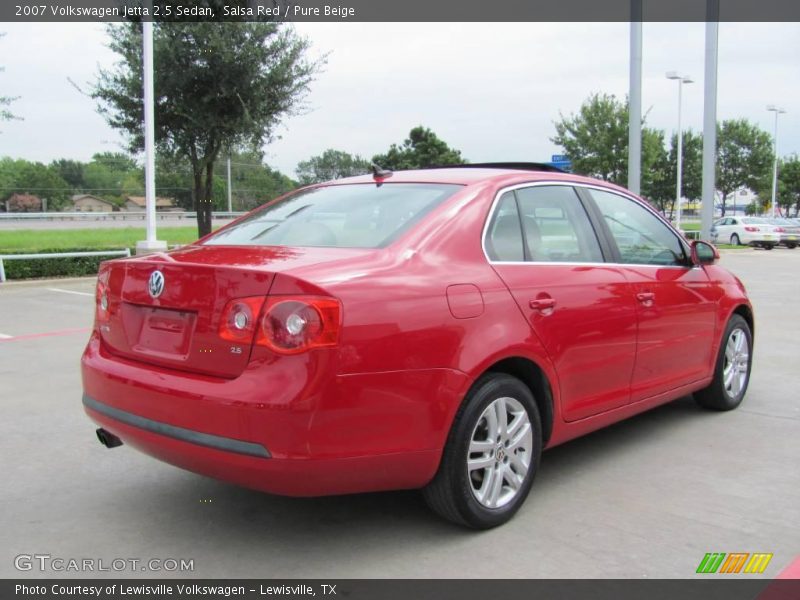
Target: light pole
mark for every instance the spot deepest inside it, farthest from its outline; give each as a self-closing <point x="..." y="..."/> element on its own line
<point x="681" y="80"/>
<point x="777" y="111"/>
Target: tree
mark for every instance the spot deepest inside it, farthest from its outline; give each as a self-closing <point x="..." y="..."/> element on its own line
<point x="70" y="171"/>
<point x="789" y="177"/>
<point x="331" y="164"/>
<point x="744" y="157"/>
<point x="25" y="177"/>
<point x="596" y="139"/>
<point x="691" y="165"/>
<point x="218" y="86"/>
<point x="5" y="101"/>
<point x="421" y="149"/>
<point x="655" y="182"/>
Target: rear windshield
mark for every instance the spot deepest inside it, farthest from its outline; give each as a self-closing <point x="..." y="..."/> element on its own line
<point x="343" y="216"/>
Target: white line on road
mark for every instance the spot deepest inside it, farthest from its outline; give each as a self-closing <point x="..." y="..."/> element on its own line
<point x="3" y="336"/>
<point x="70" y="292"/>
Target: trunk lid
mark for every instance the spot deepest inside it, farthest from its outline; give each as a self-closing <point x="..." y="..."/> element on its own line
<point x="179" y="327"/>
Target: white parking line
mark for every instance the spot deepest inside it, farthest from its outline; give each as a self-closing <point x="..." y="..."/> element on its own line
<point x="3" y="336"/>
<point x="69" y="292"/>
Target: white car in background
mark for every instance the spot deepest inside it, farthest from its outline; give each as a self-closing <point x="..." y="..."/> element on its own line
<point x="750" y="231"/>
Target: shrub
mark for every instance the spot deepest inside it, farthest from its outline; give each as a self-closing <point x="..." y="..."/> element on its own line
<point x="55" y="267"/>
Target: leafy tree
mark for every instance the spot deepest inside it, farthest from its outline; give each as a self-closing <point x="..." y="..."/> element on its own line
<point x="655" y="182"/>
<point x="744" y="157"/>
<point x="596" y="139"/>
<point x="25" y="177"/>
<point x="219" y="87"/>
<point x="254" y="182"/>
<point x="70" y="171"/>
<point x="422" y="148"/>
<point x="331" y="164"/>
<point x="692" y="164"/>
<point x="5" y="101"/>
<point x="789" y="177"/>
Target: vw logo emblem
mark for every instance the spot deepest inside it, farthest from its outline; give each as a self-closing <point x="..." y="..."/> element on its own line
<point x="156" y="284"/>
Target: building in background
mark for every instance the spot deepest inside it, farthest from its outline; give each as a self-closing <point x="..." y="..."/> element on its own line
<point x="133" y="203"/>
<point x="90" y="203"/>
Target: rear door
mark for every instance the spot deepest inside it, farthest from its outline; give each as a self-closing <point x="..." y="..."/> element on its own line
<point x="676" y="301"/>
<point x="542" y="244"/>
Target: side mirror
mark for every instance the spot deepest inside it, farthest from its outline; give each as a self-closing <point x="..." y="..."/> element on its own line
<point x="704" y="253"/>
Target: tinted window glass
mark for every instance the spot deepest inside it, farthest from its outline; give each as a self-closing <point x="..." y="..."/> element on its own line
<point x="557" y="228"/>
<point x="355" y="216"/>
<point x="504" y="239"/>
<point x="642" y="238"/>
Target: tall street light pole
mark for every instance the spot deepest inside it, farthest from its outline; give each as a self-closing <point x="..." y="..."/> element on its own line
<point x="681" y="80"/>
<point x="777" y="111"/>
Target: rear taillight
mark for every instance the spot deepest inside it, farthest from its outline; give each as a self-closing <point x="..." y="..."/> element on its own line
<point x="294" y="324"/>
<point x="240" y="319"/>
<point x="102" y="308"/>
<point x="751" y="228"/>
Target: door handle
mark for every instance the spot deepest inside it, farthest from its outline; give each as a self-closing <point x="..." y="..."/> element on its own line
<point x="646" y="298"/>
<point x="542" y="304"/>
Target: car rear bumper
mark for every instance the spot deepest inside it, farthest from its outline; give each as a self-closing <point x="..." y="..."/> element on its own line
<point x="284" y="433"/>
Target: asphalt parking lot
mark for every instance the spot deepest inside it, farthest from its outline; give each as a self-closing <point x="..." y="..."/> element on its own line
<point x="645" y="498"/>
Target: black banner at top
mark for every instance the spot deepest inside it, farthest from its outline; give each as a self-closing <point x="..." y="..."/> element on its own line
<point x="400" y="10"/>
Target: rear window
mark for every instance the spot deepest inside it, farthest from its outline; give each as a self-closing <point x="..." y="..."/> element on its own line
<point x="340" y="216"/>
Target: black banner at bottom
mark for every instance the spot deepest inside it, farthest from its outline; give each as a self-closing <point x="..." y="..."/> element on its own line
<point x="402" y="589"/>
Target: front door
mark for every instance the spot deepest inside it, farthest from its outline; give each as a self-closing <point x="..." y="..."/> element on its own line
<point x="676" y="301"/>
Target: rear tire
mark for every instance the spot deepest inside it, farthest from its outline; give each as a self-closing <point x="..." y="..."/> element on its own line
<point x="769" y="246"/>
<point x="732" y="371"/>
<point x="735" y="240"/>
<point x="488" y="466"/>
<point x="791" y="246"/>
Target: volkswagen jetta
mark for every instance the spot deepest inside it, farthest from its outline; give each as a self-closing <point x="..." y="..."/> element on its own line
<point x="432" y="329"/>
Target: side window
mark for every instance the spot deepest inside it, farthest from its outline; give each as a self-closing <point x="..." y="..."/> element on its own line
<point x="557" y="228"/>
<point x="504" y="239"/>
<point x="640" y="236"/>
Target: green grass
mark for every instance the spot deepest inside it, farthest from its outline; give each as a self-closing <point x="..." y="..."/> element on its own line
<point x="33" y="240"/>
<point x="690" y="226"/>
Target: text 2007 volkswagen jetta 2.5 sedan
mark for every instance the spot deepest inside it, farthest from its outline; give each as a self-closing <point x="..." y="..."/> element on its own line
<point x="430" y="329"/>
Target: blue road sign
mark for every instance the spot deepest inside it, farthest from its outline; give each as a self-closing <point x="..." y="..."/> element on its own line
<point x="559" y="158"/>
<point x="564" y="165"/>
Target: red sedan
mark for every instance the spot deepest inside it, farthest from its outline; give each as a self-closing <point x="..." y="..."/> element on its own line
<point x="430" y="329"/>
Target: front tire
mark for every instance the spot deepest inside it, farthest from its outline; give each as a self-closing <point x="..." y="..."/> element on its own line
<point x="491" y="456"/>
<point x="732" y="371"/>
<point x="735" y="240"/>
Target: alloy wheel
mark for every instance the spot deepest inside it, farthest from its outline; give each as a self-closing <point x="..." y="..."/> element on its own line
<point x="500" y="452"/>
<point x="737" y="363"/>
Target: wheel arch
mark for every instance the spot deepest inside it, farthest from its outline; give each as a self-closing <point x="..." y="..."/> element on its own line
<point x="744" y="311"/>
<point x="533" y="376"/>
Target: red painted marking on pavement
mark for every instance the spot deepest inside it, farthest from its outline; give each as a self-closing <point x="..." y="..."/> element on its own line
<point x="30" y="336"/>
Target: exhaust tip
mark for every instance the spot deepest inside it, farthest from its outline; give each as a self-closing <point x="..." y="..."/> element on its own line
<point x="108" y="439"/>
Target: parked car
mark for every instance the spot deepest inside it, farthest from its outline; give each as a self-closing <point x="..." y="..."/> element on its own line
<point x="789" y="231"/>
<point x="750" y="231"/>
<point x="431" y="329"/>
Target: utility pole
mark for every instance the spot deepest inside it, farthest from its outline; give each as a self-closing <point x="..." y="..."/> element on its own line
<point x="151" y="244"/>
<point x="635" y="100"/>
<point x="710" y="119"/>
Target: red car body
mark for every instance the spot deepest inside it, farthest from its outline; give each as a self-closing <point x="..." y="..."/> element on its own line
<point x="421" y="320"/>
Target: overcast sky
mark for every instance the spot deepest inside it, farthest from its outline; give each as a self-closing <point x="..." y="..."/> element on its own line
<point x="491" y="90"/>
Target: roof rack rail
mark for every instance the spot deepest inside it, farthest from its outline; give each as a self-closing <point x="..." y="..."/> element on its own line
<point x="520" y="166"/>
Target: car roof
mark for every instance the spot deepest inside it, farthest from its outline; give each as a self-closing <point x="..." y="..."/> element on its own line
<point x="475" y="175"/>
